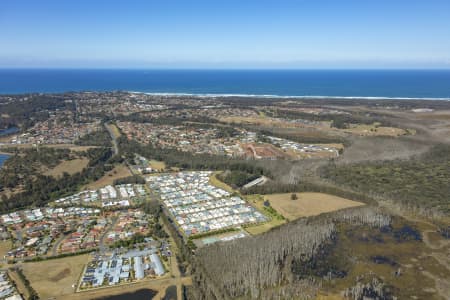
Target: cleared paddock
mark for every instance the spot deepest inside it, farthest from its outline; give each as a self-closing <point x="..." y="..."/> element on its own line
<point x="308" y="204"/>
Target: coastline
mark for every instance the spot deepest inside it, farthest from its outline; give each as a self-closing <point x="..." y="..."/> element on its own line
<point x="238" y="95"/>
<point x="218" y="95"/>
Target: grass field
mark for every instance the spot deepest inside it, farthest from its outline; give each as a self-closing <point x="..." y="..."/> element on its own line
<point x="157" y="165"/>
<point x="158" y="285"/>
<point x="21" y="288"/>
<point x="325" y="126"/>
<point x="69" y="166"/>
<point x="213" y="180"/>
<point x="72" y="147"/>
<point x="374" y="130"/>
<point x="119" y="171"/>
<point x="258" y="229"/>
<point x="276" y="219"/>
<point x="260" y="120"/>
<point x="308" y="204"/>
<point x="55" y="277"/>
<point x="5" y="246"/>
<point x="115" y="131"/>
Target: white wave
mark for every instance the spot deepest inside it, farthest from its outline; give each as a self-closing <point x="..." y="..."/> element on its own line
<point x="218" y="95"/>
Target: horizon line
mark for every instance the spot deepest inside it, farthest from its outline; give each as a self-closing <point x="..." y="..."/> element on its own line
<point x="233" y="69"/>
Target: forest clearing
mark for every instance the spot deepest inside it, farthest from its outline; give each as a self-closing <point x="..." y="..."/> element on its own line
<point x="308" y="204"/>
<point x="70" y="166"/>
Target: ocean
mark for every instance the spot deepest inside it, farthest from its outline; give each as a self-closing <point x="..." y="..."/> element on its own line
<point x="338" y="83"/>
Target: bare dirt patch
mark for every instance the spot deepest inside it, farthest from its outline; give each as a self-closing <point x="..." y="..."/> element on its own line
<point x="258" y="151"/>
<point x="308" y="204"/>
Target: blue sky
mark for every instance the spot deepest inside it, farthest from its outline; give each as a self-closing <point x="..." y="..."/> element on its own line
<point x="225" y="34"/>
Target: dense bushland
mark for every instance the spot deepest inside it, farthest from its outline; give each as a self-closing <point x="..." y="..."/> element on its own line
<point x="25" y="112"/>
<point x="99" y="138"/>
<point x="237" y="179"/>
<point x="185" y="160"/>
<point x="24" y="164"/>
<point x="419" y="183"/>
<point x="41" y="189"/>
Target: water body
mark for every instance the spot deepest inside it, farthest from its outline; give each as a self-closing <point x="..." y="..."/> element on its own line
<point x="143" y="294"/>
<point x="348" y="83"/>
<point x="3" y="158"/>
<point x="3" y="132"/>
<point x="9" y="131"/>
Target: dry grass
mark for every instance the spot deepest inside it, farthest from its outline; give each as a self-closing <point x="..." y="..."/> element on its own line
<point x="55" y="277"/>
<point x="117" y="290"/>
<point x="325" y="126"/>
<point x="374" y="130"/>
<point x="213" y="180"/>
<point x="157" y="165"/>
<point x="69" y="166"/>
<point x="275" y="220"/>
<point x="436" y="115"/>
<point x="19" y="283"/>
<point x="72" y="147"/>
<point x="308" y="204"/>
<point x="5" y="246"/>
<point x="155" y="285"/>
<point x="261" y="120"/>
<point x="115" y="131"/>
<point x="317" y="154"/>
<point x="258" y="229"/>
<point x="5" y="139"/>
<point x="119" y="171"/>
